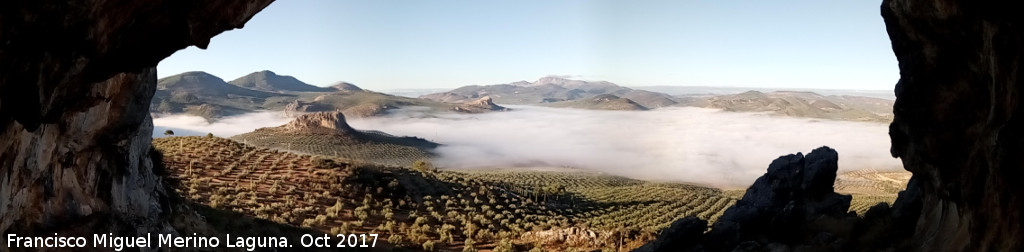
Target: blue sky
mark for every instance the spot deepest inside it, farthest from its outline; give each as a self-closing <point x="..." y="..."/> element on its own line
<point x="389" y="44"/>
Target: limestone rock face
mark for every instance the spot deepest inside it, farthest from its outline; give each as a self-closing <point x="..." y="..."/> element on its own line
<point x="484" y="104"/>
<point x="76" y="80"/>
<point x="958" y="120"/>
<point x="297" y="108"/>
<point x="331" y="121"/>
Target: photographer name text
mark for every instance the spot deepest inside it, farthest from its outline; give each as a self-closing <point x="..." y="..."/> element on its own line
<point x="249" y="243"/>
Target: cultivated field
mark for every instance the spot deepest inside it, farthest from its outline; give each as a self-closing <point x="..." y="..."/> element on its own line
<point x="869" y="187"/>
<point x="428" y="209"/>
<point x="366" y="147"/>
<point x="419" y="207"/>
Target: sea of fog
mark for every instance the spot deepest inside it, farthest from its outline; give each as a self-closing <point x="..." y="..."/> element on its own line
<point x="696" y="145"/>
<point x="187" y="125"/>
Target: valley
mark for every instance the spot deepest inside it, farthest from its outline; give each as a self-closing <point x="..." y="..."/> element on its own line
<point x="421" y="207"/>
<point x="567" y="164"/>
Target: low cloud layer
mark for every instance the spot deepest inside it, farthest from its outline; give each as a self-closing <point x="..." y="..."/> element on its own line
<point x="685" y="144"/>
<point x="673" y="144"/>
<point x="186" y="125"/>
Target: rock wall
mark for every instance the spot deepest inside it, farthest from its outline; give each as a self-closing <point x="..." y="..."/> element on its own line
<point x="958" y="120"/>
<point x="76" y="80"/>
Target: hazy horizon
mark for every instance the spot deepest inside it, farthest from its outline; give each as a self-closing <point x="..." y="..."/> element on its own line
<point x="680" y="144"/>
<point x="384" y="45"/>
<point x="667" y="89"/>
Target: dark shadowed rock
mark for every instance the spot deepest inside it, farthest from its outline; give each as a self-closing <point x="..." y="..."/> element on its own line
<point x="793" y="205"/>
<point x="683" y="235"/>
<point x="76" y="80"/>
<point x="784" y="204"/>
<point x="959" y="120"/>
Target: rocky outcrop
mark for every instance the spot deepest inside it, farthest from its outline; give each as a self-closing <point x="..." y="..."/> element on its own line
<point x="484" y="104"/>
<point x="792" y="206"/>
<point x="957" y="126"/>
<point x="76" y="80"/>
<point x="320" y="121"/>
<point x="297" y="108"/>
<point x="959" y="120"/>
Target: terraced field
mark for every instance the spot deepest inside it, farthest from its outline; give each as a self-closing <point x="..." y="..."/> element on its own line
<point x="870" y="187"/>
<point x="608" y="202"/>
<point x="375" y="148"/>
<point x="428" y="209"/>
<point x="423" y="208"/>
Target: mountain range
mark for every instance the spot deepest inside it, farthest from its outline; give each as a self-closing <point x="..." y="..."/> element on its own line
<point x="208" y="96"/>
<point x="554" y="90"/>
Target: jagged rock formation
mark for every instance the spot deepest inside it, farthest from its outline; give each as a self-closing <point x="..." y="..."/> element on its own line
<point x="297" y="108"/>
<point x="76" y="79"/>
<point x="792" y="206"/>
<point x="959" y="120"/>
<point x="484" y="104"/>
<point x="957" y="127"/>
<point x="331" y="121"/>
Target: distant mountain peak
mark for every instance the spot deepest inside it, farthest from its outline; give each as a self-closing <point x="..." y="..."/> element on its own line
<point x="571" y="83"/>
<point x="267" y="80"/>
<point x="345" y="86"/>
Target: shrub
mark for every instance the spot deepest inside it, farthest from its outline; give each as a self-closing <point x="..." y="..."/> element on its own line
<point x="423" y="166"/>
<point x="505" y="245"/>
<point x="428" y="245"/>
<point x="468" y="247"/>
<point x="396" y="239"/>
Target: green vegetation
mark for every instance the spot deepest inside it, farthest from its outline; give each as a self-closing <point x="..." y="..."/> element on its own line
<point x="364" y="147"/>
<point x="417" y="207"/>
